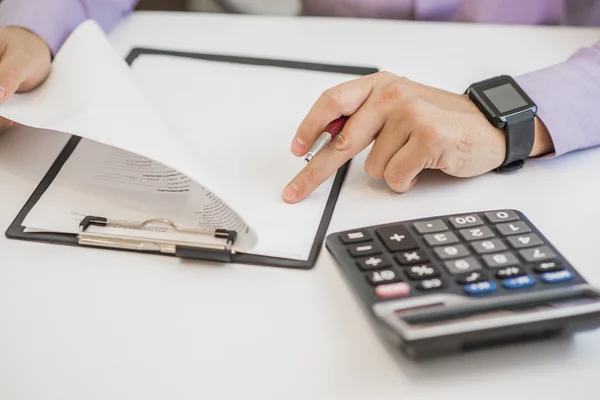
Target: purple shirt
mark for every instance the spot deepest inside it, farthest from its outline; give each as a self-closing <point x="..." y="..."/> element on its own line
<point x="567" y="94"/>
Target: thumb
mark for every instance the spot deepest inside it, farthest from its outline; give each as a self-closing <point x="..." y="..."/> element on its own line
<point x="13" y="72"/>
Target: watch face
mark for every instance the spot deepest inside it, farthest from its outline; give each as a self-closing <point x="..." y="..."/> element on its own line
<point x="502" y="97"/>
<point x="505" y="98"/>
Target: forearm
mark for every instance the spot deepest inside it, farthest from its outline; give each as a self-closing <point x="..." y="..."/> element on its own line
<point x="568" y="100"/>
<point x="54" y="20"/>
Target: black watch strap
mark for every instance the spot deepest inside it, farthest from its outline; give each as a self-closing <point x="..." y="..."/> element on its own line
<point x="520" y="135"/>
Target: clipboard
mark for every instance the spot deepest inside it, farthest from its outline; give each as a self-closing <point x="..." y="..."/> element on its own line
<point x="196" y="250"/>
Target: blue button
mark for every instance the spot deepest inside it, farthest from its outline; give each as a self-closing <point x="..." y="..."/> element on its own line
<point x="480" y="287"/>
<point x="519" y="282"/>
<point x="557" y="276"/>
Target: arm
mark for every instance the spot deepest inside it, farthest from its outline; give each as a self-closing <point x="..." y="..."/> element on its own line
<point x="54" y="20"/>
<point x="568" y="100"/>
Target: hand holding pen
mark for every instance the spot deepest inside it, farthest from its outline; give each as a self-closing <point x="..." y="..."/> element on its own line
<point x="413" y="127"/>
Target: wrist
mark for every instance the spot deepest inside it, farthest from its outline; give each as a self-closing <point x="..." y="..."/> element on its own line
<point x="542" y="144"/>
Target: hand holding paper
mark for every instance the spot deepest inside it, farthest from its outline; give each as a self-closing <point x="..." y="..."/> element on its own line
<point x="24" y="64"/>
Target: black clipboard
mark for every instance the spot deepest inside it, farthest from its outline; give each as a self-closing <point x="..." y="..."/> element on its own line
<point x="17" y="230"/>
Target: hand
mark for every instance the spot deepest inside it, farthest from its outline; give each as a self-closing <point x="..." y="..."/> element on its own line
<point x="25" y="60"/>
<point x="415" y="127"/>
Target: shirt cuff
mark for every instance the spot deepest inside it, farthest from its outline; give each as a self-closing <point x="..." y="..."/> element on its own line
<point x="52" y="20"/>
<point x="567" y="96"/>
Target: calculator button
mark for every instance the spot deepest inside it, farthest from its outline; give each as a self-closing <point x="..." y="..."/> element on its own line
<point x="513" y="228"/>
<point x="557" y="276"/>
<point x="472" y="278"/>
<point x="519" y="282"/>
<point x="422" y="271"/>
<point x="466" y="221"/>
<point x="431" y="284"/>
<point x="547" y="266"/>
<point x="436" y="239"/>
<point x="509" y="272"/>
<point x="357" y="236"/>
<point x="397" y="289"/>
<point x="435" y="225"/>
<point x="528" y="240"/>
<point x="480" y="288"/>
<point x="374" y="262"/>
<point x="397" y="238"/>
<point x="476" y="233"/>
<point x="411" y="257"/>
<point x="365" y="249"/>
<point x="455" y="251"/>
<point x="383" y="276"/>
<point x="488" y="246"/>
<point x="462" y="265"/>
<point x="537" y="254"/>
<point x="501" y="216"/>
<point x="504" y="259"/>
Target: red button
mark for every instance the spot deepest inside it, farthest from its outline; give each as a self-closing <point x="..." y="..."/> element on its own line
<point x="393" y="289"/>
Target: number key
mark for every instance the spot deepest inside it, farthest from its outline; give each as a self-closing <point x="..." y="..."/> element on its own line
<point x="528" y="240"/>
<point x="537" y="254"/>
<point x="466" y="221"/>
<point x="513" y="228"/>
<point x="455" y="251"/>
<point x="462" y="265"/>
<point x="488" y="246"/>
<point x="505" y="259"/>
<point x="436" y="239"/>
<point x="501" y="216"/>
<point x="477" y="233"/>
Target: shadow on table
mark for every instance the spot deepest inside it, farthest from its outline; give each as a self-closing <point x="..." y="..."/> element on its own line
<point x="485" y="362"/>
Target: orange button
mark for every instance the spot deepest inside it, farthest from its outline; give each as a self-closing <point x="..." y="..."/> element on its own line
<point x="393" y="290"/>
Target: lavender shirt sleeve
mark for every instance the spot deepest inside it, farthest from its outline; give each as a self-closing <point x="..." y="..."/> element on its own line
<point x="54" y="20"/>
<point x="568" y="99"/>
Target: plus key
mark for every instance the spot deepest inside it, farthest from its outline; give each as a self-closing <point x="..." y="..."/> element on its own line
<point x="397" y="238"/>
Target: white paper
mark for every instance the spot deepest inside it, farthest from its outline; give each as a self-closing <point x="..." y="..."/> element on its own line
<point x="101" y="180"/>
<point x="220" y="124"/>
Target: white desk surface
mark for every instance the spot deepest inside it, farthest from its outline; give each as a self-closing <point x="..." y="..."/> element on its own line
<point x="88" y="324"/>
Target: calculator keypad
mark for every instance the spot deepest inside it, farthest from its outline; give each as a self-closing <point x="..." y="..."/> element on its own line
<point x="478" y="254"/>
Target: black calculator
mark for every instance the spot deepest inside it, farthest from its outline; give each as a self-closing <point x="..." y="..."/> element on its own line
<point x="455" y="283"/>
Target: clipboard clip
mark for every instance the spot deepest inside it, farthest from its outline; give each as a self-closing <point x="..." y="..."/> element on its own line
<point x="183" y="249"/>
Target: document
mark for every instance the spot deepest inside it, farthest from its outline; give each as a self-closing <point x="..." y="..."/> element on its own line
<point x="204" y="143"/>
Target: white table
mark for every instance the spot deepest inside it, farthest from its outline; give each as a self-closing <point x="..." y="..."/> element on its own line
<point x="84" y="324"/>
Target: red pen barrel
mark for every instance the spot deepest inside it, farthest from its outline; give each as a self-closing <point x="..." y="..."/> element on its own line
<point x="336" y="126"/>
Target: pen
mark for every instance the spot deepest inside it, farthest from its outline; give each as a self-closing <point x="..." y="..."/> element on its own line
<point x="327" y="136"/>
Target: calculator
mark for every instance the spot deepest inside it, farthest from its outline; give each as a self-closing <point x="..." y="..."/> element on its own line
<point x="457" y="283"/>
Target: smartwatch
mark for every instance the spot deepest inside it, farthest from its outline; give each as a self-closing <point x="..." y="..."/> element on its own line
<point x="507" y="106"/>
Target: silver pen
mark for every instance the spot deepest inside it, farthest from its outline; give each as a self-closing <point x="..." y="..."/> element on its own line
<point x="331" y="131"/>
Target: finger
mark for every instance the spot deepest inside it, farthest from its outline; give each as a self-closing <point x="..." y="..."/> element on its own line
<point x="358" y="132"/>
<point x="341" y="100"/>
<point x="393" y="136"/>
<point x="12" y="74"/>
<point x="5" y="125"/>
<point x="405" y="165"/>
